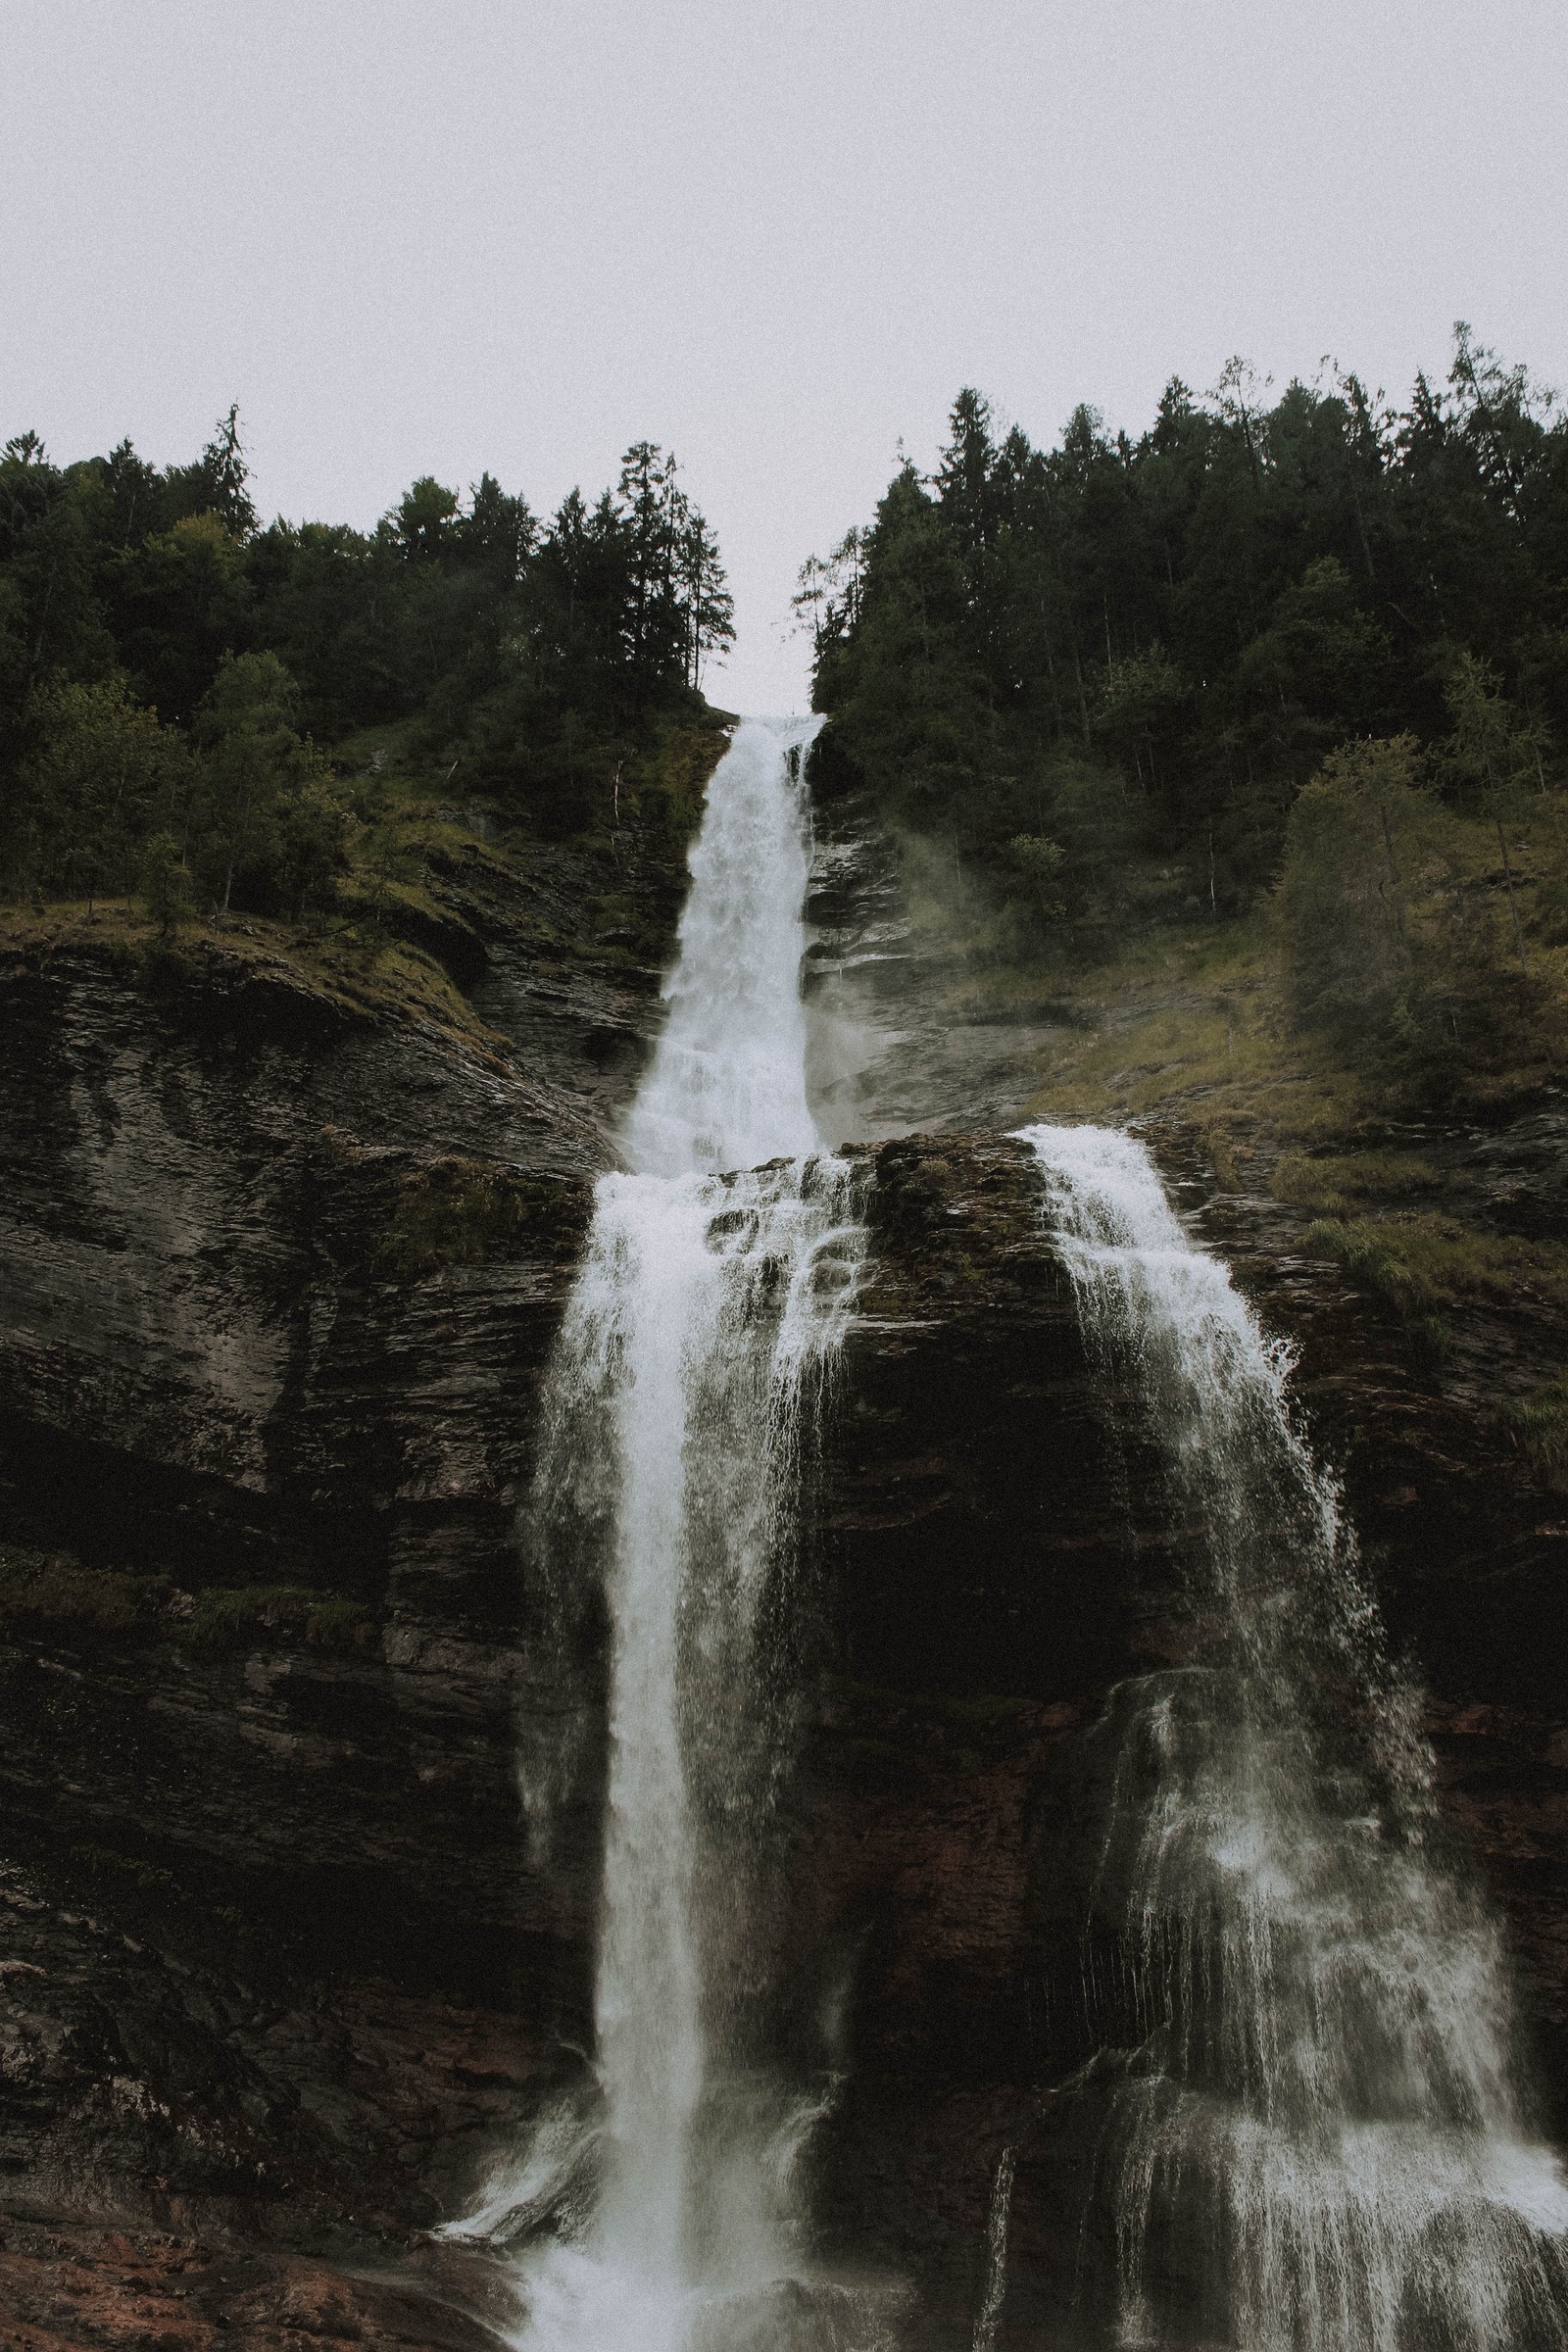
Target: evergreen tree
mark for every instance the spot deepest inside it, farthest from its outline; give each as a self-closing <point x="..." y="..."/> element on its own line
<point x="1202" y="614"/>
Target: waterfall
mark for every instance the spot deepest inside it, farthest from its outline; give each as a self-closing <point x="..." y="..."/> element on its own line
<point x="995" y="2279"/>
<point x="1317" y="2141"/>
<point x="699" y="1331"/>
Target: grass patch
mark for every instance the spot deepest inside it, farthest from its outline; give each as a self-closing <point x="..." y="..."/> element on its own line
<point x="1423" y="1262"/>
<point x="1195" y="1020"/>
<point x="1336" y="1181"/>
<point x="1541" y="1424"/>
<point x="50" y="1589"/>
<point x="370" y="973"/>
<point x="467" y="1212"/>
<point x="1192" y="1022"/>
<point x="228" y="1615"/>
<point x="356" y="970"/>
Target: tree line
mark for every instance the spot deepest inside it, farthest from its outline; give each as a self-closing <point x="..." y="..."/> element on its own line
<point x="174" y="677"/>
<point x="1105" y="673"/>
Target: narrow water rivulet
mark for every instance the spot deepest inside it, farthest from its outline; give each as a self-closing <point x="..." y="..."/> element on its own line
<point x="711" y="1298"/>
<point x="1317" y="2140"/>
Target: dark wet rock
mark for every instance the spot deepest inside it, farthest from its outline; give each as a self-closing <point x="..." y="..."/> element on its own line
<point x="68" y="2286"/>
<point x="278" y="1280"/>
<point x="271" y="1943"/>
<point x="898" y="1041"/>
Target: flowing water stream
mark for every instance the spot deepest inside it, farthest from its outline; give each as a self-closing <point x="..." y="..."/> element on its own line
<point x="710" y="1301"/>
<point x="1318" y="2143"/>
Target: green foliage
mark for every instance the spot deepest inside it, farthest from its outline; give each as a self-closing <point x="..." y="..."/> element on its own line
<point x="1541" y="1424"/>
<point x="1363" y="852"/>
<point x="166" y="667"/>
<point x="1424" y="1263"/>
<point x="1335" y="1181"/>
<point x="1201" y="615"/>
<point x="268" y="809"/>
<point x="167" y="890"/>
<point x="99" y="774"/>
<point x="50" y="1589"/>
<point x="179" y="603"/>
<point x="1492" y="753"/>
<point x="228" y="1616"/>
<point x="1037" y="860"/>
<point x="1401" y="924"/>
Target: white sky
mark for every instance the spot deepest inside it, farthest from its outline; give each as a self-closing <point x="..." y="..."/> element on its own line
<point x="418" y="236"/>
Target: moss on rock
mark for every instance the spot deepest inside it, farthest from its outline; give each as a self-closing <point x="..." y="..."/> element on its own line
<point x="458" y="1211"/>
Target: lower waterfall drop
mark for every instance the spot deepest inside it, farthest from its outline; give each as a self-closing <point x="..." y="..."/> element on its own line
<point x="701" y="1331"/>
<point x="1318" y="2141"/>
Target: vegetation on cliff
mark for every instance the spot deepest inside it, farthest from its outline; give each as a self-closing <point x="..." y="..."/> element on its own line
<point x="206" y="716"/>
<point x="1305" y="661"/>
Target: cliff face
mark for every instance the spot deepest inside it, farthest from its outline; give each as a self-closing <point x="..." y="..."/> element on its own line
<point x="278" y="1277"/>
<point x="279" y="1281"/>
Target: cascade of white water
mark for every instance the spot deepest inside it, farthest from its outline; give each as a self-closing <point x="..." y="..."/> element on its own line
<point x="702" y="1324"/>
<point x="996" y="2280"/>
<point x="727" y="1085"/>
<point x="1319" y="2144"/>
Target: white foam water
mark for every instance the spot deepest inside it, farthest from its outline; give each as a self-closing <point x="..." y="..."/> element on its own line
<point x="727" y="1085"/>
<point x="1318" y="2143"/>
<point x="701" y="1327"/>
<point x="995" y="2292"/>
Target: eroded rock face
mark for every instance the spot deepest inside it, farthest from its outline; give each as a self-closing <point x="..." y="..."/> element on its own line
<point x="897" y="1045"/>
<point x="277" y="1974"/>
<point x="270" y="1944"/>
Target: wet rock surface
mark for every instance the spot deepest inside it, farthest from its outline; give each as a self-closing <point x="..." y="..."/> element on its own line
<point x="269" y="1943"/>
<point x="897" y="1046"/>
<point x="276" y="1975"/>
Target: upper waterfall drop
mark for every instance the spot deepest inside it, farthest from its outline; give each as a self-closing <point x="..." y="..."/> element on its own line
<point x="726" y="1088"/>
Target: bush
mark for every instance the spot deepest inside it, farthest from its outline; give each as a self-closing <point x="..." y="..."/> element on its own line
<point x="1361" y="851"/>
<point x="1399" y="924"/>
<point x="101" y="775"/>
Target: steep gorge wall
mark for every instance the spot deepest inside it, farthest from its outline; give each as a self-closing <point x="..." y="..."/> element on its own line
<point x="270" y="1935"/>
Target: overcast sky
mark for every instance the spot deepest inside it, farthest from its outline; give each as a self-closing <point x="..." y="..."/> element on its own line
<point x="776" y="235"/>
